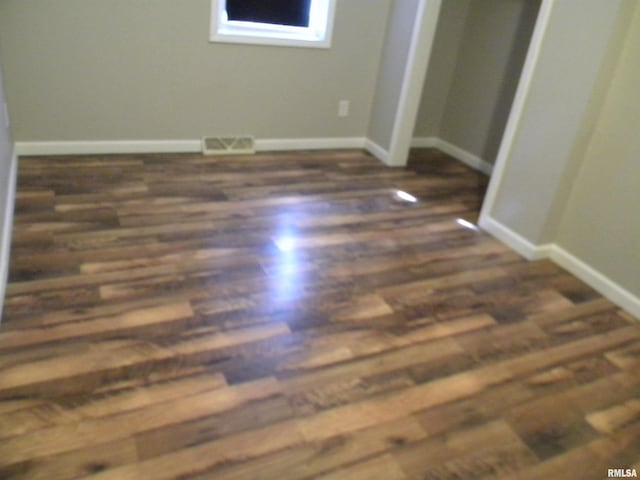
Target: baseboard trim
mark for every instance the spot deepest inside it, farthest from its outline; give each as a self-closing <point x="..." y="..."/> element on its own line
<point x="377" y="151"/>
<point x="514" y="240"/>
<point x="589" y="275"/>
<point x="458" y="153"/>
<point x="5" y="238"/>
<point x="284" y="144"/>
<point x="106" y="147"/>
<point x="597" y="280"/>
<point x="177" y="146"/>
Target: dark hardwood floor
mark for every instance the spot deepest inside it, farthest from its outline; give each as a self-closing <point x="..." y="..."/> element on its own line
<point x="290" y="317"/>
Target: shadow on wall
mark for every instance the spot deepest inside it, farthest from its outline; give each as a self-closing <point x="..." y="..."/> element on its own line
<point x="510" y="79"/>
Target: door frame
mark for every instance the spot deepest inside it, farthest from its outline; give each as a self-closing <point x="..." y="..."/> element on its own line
<point x="413" y="82"/>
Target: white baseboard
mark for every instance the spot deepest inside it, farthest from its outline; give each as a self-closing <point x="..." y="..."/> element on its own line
<point x="176" y="146"/>
<point x="514" y="240"/>
<point x="595" y="279"/>
<point x="458" y="153"/>
<point x="589" y="275"/>
<point x="7" y="226"/>
<point x="107" y="147"/>
<point x="266" y="145"/>
<point x="377" y="151"/>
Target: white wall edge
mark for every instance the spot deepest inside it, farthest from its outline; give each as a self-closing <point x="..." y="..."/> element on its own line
<point x="514" y="240"/>
<point x="517" y="106"/>
<point x="456" y="152"/>
<point x="176" y="146"/>
<point x="5" y="241"/>
<point x="422" y="38"/>
<point x="597" y="280"/>
<point x="377" y="151"/>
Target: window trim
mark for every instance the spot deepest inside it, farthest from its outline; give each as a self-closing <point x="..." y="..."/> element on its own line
<point x="317" y="35"/>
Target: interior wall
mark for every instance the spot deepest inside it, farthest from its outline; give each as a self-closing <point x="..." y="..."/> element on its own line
<point x="82" y="70"/>
<point x="601" y="224"/>
<point x="446" y="46"/>
<point x="480" y="49"/>
<point x="7" y="166"/>
<point x="494" y="45"/>
<point x="6" y="146"/>
<point x="390" y="77"/>
<point x="543" y="156"/>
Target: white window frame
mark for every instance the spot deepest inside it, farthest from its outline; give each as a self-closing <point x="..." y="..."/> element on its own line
<point x="316" y="35"/>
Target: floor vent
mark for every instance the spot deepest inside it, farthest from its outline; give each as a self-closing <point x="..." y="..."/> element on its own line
<point x="243" y="145"/>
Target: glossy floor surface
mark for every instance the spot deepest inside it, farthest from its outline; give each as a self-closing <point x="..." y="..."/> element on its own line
<point x="291" y="316"/>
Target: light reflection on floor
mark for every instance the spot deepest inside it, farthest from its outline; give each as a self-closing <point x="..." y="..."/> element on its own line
<point x="467" y="224"/>
<point x="289" y="275"/>
<point x="405" y="196"/>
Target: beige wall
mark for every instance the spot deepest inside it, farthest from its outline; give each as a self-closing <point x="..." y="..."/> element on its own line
<point x="6" y="152"/>
<point x="495" y="41"/>
<point x="601" y="223"/>
<point x="479" y="52"/>
<point x="144" y="69"/>
<point x="7" y="187"/>
<point x="543" y="161"/>
<point x="447" y="42"/>
<point x="391" y="73"/>
<point x="6" y="146"/>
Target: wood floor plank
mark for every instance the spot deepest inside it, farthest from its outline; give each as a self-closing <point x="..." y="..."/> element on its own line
<point x="74" y="464"/>
<point x="294" y="459"/>
<point x="485" y="451"/>
<point x="122" y="425"/>
<point x="449" y="389"/>
<point x="381" y="467"/>
<point x="141" y="318"/>
<point x="612" y="418"/>
<point x="71" y="281"/>
<point x="590" y="462"/>
<point x="144" y="396"/>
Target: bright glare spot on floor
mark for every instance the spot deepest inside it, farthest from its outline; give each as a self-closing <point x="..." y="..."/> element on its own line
<point x="407" y="197"/>
<point x="285" y="244"/>
<point x="466" y="224"/>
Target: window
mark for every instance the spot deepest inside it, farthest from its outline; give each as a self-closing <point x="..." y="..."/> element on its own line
<point x="302" y="23"/>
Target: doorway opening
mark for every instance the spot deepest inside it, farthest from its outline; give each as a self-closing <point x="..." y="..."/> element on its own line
<point x="475" y="65"/>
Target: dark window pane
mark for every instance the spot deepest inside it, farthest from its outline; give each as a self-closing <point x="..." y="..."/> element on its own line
<point x="280" y="12"/>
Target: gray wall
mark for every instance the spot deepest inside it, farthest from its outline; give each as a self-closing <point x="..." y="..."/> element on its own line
<point x="447" y="42"/>
<point x="144" y="69"/>
<point x="392" y="69"/>
<point x="479" y="53"/>
<point x="6" y="147"/>
<point x="562" y="101"/>
<point x="6" y="152"/>
<point x="601" y="223"/>
<point x="494" y="45"/>
<point x="6" y="194"/>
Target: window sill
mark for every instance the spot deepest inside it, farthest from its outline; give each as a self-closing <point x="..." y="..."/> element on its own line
<point x="275" y="39"/>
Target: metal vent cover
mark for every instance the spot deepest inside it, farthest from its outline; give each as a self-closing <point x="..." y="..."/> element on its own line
<point x="240" y="145"/>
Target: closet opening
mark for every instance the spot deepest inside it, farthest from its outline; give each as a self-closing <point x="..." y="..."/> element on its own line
<point x="474" y="68"/>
